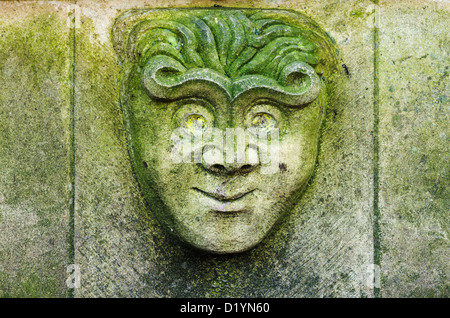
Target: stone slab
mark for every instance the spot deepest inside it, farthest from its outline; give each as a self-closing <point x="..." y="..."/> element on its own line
<point x="35" y="64"/>
<point x="323" y="249"/>
<point x="414" y="142"/>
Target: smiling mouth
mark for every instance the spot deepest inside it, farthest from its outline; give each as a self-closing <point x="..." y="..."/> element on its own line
<point x="223" y="198"/>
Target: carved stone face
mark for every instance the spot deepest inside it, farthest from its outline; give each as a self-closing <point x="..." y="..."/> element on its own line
<point x="206" y="71"/>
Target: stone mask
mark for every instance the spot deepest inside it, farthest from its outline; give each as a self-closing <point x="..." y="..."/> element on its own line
<point x="244" y="88"/>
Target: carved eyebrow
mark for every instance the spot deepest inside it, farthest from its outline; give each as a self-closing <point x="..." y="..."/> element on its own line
<point x="253" y="87"/>
<point x="203" y="103"/>
<point x="168" y="79"/>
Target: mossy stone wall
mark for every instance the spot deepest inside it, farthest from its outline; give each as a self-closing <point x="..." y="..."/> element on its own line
<point x="377" y="204"/>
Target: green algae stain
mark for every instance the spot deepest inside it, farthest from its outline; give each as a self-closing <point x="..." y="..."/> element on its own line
<point x="356" y="14"/>
<point x="34" y="95"/>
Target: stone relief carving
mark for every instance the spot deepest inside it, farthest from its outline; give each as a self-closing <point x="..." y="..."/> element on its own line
<point x="223" y="109"/>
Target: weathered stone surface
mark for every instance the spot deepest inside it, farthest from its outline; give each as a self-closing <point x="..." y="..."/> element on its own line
<point x="323" y="249"/>
<point x="35" y="63"/>
<point x="378" y="194"/>
<point x="112" y="243"/>
<point x="414" y="142"/>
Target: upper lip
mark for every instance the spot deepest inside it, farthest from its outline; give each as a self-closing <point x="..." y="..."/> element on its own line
<point x="224" y="198"/>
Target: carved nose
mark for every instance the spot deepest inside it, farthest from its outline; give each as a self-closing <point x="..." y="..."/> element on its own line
<point x="229" y="168"/>
<point x="214" y="161"/>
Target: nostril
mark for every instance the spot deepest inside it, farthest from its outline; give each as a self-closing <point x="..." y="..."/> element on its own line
<point x="217" y="168"/>
<point x="229" y="168"/>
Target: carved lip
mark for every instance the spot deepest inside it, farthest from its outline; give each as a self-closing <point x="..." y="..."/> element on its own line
<point x="223" y="198"/>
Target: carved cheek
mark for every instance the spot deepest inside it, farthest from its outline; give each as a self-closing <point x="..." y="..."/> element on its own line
<point x="298" y="148"/>
<point x="293" y="153"/>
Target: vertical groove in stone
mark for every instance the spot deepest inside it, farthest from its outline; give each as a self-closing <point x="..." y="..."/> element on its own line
<point x="376" y="113"/>
<point x="71" y="291"/>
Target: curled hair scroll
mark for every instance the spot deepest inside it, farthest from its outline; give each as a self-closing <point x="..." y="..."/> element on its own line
<point x="279" y="54"/>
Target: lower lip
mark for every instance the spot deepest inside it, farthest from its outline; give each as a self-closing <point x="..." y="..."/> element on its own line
<point x="237" y="206"/>
<point x="230" y="207"/>
<point x="229" y="214"/>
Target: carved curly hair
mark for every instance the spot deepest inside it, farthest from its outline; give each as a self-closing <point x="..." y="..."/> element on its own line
<point x="280" y="53"/>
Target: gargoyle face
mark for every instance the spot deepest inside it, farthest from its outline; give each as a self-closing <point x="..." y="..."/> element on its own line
<point x="223" y="110"/>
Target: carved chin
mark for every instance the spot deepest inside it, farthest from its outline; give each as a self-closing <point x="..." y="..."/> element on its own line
<point x="225" y="232"/>
<point x="229" y="226"/>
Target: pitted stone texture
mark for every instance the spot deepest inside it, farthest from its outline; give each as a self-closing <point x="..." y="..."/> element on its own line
<point x="414" y="142"/>
<point x="35" y="68"/>
<point x="323" y="249"/>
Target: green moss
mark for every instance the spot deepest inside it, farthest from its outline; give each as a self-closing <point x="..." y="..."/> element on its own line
<point x="356" y="14"/>
<point x="34" y="101"/>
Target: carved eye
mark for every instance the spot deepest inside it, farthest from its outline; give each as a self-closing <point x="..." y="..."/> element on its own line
<point x="196" y="123"/>
<point x="263" y="122"/>
<point x="194" y="115"/>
